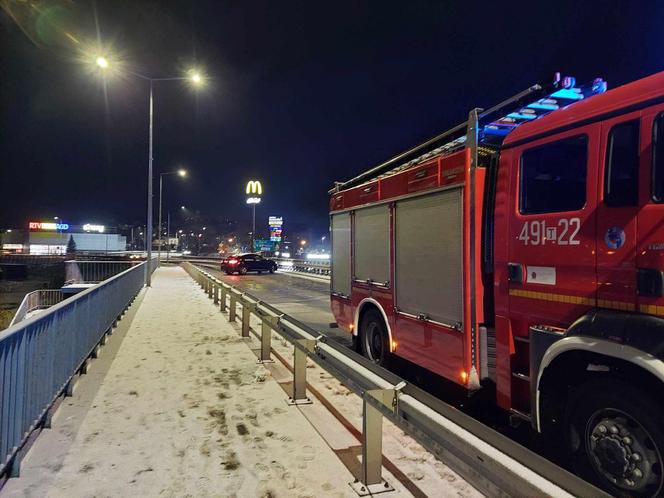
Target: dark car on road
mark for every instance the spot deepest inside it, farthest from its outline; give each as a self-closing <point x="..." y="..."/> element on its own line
<point x="244" y="263"/>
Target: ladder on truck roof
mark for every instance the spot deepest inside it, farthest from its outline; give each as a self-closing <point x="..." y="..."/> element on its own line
<point x="492" y="125"/>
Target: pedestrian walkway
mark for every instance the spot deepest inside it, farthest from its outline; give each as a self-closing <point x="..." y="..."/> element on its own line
<point x="177" y="406"/>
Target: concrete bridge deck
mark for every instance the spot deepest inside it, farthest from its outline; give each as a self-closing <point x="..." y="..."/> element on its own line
<point x="176" y="405"/>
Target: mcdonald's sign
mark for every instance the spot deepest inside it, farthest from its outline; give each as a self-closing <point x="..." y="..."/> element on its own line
<point x="254" y="187"/>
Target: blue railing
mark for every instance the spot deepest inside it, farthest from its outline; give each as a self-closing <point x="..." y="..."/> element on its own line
<point x="39" y="356"/>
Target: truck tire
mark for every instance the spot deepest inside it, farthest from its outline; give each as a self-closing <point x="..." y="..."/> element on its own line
<point x="616" y="438"/>
<point x="374" y="339"/>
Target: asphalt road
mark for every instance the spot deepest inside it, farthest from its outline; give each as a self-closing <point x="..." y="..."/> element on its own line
<point x="303" y="298"/>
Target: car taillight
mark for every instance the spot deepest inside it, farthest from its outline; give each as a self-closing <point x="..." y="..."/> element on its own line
<point x="232" y="261"/>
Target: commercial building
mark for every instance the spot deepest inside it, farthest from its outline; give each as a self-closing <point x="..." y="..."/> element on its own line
<point x="53" y="238"/>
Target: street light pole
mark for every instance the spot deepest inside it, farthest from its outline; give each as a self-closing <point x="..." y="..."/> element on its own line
<point x="168" y="236"/>
<point x="161" y="188"/>
<point x="181" y="172"/>
<point x="148" y="272"/>
<point x="103" y="63"/>
<point x="253" y="227"/>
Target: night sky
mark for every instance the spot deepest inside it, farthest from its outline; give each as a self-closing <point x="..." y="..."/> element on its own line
<point x="300" y="94"/>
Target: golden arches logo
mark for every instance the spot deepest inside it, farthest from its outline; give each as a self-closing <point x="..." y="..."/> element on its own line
<point x="254" y="187"/>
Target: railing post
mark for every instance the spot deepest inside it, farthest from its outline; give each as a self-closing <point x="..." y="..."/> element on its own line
<point x="233" y="306"/>
<point x="299" y="396"/>
<point x="267" y="324"/>
<point x="247" y="308"/>
<point x="371" y="481"/>
<point x="222" y="298"/>
<point x="215" y="293"/>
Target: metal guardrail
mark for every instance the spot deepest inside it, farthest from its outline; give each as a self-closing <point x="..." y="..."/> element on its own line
<point x="94" y="271"/>
<point x="37" y="300"/>
<point x="40" y="356"/>
<point x="305" y="266"/>
<point x="493" y="463"/>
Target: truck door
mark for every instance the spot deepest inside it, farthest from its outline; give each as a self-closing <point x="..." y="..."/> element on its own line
<point x="617" y="210"/>
<point x="650" y="249"/>
<point x="551" y="250"/>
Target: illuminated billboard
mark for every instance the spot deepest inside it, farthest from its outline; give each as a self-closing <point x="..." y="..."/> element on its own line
<point x="276" y="224"/>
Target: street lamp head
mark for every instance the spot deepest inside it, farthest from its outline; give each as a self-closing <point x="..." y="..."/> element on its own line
<point x="102" y="62"/>
<point x="182" y="207"/>
<point x="196" y="78"/>
<point x="182" y="172"/>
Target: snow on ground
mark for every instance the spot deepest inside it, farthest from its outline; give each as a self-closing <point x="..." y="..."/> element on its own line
<point x="181" y="410"/>
<point x="420" y="472"/>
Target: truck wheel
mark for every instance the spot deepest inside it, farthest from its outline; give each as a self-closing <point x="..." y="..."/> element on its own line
<point x="615" y="435"/>
<point x="374" y="339"/>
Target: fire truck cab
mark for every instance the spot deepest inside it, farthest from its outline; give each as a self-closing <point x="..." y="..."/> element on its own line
<point x="524" y="249"/>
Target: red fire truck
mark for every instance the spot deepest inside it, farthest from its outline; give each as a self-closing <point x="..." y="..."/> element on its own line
<point x="523" y="250"/>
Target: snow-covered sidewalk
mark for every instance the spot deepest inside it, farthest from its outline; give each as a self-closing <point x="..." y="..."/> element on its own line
<point x="177" y="406"/>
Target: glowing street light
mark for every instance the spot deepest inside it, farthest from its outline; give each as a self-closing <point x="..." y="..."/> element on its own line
<point x="194" y="77"/>
<point x="181" y="173"/>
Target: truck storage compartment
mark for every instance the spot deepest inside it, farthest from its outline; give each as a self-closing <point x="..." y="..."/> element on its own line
<point x="372" y="244"/>
<point x="340" y="224"/>
<point x="428" y="256"/>
<point x="423" y="177"/>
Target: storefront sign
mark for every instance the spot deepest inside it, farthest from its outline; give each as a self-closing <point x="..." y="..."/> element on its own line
<point x="43" y="225"/>
<point x="94" y="228"/>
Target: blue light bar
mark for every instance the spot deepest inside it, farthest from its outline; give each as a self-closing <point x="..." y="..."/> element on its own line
<point x="520" y="115"/>
<point x="567" y="93"/>
<point x="543" y="107"/>
<point x="496" y="131"/>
